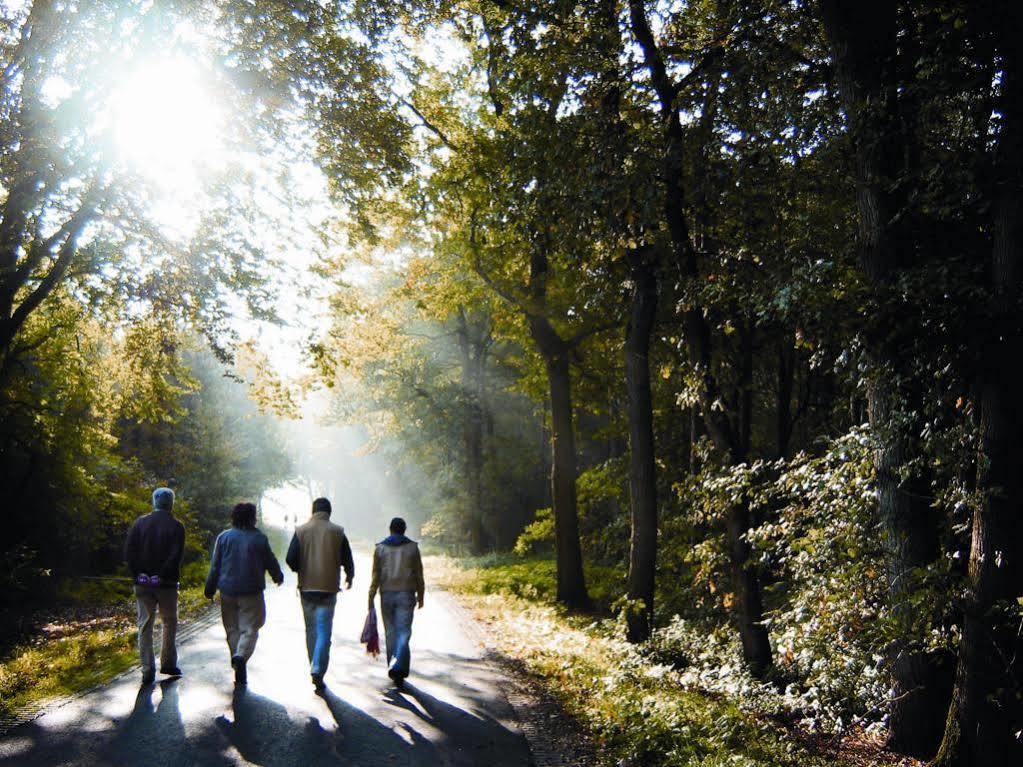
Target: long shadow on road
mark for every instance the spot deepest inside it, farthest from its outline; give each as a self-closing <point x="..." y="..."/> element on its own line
<point x="367" y="741"/>
<point x="468" y="739"/>
<point x="406" y="727"/>
<point x="160" y="726"/>
<point x="452" y="714"/>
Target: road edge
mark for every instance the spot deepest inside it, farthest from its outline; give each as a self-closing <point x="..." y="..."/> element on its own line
<point x="536" y="711"/>
<point x="202" y="619"/>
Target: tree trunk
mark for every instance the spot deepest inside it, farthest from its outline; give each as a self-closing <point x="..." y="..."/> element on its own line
<point x="749" y="605"/>
<point x="786" y="384"/>
<point x="863" y="39"/>
<point x="642" y="471"/>
<point x="986" y="714"/>
<point x="756" y="647"/>
<point x="749" y="602"/>
<point x="473" y="353"/>
<point x="571" y="580"/>
<point x="555" y="352"/>
<point x="473" y="439"/>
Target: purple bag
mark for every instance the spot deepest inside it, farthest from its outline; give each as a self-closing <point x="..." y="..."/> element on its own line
<point x="370" y="637"/>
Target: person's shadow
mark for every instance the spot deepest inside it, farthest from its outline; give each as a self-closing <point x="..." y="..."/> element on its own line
<point x="152" y="735"/>
<point x="481" y="739"/>
<point x="260" y="729"/>
<point x="365" y="741"/>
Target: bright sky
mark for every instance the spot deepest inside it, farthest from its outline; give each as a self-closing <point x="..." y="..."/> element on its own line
<point x="168" y="126"/>
<point x="172" y="123"/>
<point x="172" y="129"/>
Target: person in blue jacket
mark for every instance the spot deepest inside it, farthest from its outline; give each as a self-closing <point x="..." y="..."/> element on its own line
<point x="240" y="558"/>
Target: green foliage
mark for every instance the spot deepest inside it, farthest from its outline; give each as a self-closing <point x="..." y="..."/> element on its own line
<point x="638" y="706"/>
<point x="538" y="534"/>
<point x="84" y="655"/>
<point x="821" y="549"/>
<point x="602" y="498"/>
<point x="414" y="357"/>
<point x="64" y="667"/>
<point x="218" y="448"/>
<point x="92" y="423"/>
<point x="67" y="485"/>
<point x="531" y="577"/>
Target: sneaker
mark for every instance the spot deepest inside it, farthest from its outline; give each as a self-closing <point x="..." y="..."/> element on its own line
<point x="172" y="671"/>
<point x="318" y="681"/>
<point x="241" y="676"/>
<point x="397" y="677"/>
<point x="148" y="677"/>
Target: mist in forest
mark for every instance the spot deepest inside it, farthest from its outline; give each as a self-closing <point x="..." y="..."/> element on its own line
<point x="336" y="462"/>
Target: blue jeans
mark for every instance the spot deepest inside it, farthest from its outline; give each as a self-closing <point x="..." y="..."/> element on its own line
<point x="318" y="611"/>
<point x="396" y="608"/>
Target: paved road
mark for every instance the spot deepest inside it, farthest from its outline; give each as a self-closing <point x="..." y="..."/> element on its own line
<point x="452" y="711"/>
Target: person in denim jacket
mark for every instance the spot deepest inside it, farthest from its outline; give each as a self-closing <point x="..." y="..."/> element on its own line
<point x="241" y="557"/>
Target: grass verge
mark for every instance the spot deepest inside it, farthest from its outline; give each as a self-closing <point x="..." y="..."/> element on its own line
<point x="637" y="712"/>
<point x="70" y="656"/>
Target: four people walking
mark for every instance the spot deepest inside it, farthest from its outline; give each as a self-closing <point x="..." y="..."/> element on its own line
<point x="242" y="557"/>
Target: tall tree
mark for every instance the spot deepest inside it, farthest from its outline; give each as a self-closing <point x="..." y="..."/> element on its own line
<point x="642" y="464"/>
<point x="986" y="715"/>
<point x="475" y="339"/>
<point x="731" y="438"/>
<point x="41" y="219"/>
<point x="874" y="83"/>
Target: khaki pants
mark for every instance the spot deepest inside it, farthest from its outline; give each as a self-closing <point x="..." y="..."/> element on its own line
<point x="243" y="616"/>
<point x="150" y="601"/>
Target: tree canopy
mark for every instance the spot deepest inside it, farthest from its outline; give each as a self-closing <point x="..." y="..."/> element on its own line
<point x="721" y="296"/>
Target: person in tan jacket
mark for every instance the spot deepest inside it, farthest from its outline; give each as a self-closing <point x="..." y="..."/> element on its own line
<point x="398" y="575"/>
<point x="319" y="550"/>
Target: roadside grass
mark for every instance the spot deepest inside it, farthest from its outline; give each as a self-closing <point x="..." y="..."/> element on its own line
<point x="74" y="655"/>
<point x="36" y="673"/>
<point x="532" y="578"/>
<point x="637" y="712"/>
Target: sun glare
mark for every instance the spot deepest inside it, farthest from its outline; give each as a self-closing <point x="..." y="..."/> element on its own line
<point x="166" y="123"/>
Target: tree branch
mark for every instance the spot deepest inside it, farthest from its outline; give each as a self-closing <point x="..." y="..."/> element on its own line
<point x="585" y="333"/>
<point x="65" y="256"/>
<point x="491" y="79"/>
<point x="429" y="125"/>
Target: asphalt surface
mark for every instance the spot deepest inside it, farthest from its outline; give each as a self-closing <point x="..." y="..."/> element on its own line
<point x="452" y="711"/>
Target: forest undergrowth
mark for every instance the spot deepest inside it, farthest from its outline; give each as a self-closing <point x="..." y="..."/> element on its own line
<point x="638" y="707"/>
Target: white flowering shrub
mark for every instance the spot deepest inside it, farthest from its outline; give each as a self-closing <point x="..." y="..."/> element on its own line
<point x="820" y="552"/>
<point x="828" y="625"/>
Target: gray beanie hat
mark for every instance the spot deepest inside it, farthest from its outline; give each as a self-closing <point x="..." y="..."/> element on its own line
<point x="163" y="498"/>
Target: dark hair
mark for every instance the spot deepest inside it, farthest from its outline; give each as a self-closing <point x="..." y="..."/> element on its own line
<point x="398" y="526"/>
<point x="244" y="515"/>
<point x="321" y="504"/>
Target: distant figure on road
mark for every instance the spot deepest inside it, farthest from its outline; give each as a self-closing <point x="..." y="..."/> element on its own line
<point x="240" y="558"/>
<point x="153" y="552"/>
<point x="318" y="551"/>
<point x="398" y="574"/>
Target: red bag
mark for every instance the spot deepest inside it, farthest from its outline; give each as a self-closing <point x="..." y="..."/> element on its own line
<point x="370" y="637"/>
